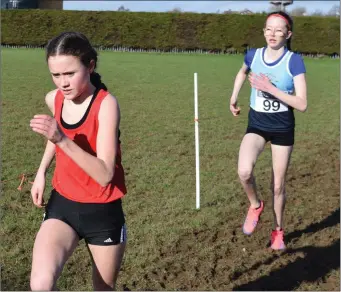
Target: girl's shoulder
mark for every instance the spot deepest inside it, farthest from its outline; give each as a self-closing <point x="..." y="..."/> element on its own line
<point x="296" y="64"/>
<point x="249" y="56"/>
<point x="50" y="99"/>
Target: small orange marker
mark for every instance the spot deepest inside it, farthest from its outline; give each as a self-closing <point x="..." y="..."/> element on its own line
<point x="21" y="182"/>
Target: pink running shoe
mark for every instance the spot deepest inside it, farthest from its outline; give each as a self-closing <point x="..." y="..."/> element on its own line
<point x="252" y="219"/>
<point x="277" y="242"/>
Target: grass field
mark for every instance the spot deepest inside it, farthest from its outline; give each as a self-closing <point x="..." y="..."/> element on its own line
<point x="171" y="245"/>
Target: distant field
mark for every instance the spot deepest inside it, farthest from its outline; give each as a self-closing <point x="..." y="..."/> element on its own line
<point x="171" y="245"/>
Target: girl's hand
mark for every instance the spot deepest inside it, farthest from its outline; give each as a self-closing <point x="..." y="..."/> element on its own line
<point x="48" y="127"/>
<point x="260" y="82"/>
<point x="37" y="190"/>
<point x="234" y="109"/>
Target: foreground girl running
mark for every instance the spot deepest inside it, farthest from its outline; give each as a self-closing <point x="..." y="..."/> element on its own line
<point x="88" y="181"/>
<point x="278" y="86"/>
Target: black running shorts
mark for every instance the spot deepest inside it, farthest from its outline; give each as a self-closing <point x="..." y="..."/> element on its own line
<point x="97" y="223"/>
<point x="276" y="138"/>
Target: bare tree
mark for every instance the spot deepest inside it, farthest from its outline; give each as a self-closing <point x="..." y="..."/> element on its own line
<point x="121" y="8"/>
<point x="273" y="8"/>
<point x="229" y="12"/>
<point x="299" y="11"/>
<point x="334" y="11"/>
<point x="317" y="12"/>
<point x="280" y="5"/>
<point x="176" y="10"/>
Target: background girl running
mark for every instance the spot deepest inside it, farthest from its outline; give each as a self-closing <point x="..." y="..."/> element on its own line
<point x="278" y="84"/>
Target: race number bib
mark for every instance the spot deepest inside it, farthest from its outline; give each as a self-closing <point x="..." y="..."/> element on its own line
<point x="266" y="103"/>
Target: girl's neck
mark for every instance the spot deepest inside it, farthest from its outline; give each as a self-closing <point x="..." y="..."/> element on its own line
<point x="273" y="54"/>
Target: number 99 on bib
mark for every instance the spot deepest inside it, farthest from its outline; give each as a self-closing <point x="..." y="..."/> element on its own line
<point x="266" y="104"/>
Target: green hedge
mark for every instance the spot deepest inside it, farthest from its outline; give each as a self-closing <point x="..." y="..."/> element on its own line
<point x="165" y="31"/>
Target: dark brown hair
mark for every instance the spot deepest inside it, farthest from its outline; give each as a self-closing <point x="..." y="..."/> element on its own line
<point x="75" y="44"/>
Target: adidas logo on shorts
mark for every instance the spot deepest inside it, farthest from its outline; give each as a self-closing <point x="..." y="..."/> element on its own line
<point x="108" y="240"/>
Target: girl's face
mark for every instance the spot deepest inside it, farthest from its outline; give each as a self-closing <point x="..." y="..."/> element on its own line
<point x="69" y="75"/>
<point x="276" y="32"/>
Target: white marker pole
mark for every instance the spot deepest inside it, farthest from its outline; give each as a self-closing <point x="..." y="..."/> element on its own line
<point x="196" y="122"/>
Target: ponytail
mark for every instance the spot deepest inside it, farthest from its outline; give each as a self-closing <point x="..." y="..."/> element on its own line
<point x="96" y="81"/>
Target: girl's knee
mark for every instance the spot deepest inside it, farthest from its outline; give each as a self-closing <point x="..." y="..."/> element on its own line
<point x="245" y="174"/>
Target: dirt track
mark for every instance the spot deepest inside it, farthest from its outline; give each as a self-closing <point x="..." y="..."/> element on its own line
<point x="234" y="261"/>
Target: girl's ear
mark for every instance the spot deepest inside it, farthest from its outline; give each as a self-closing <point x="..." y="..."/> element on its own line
<point x="92" y="66"/>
